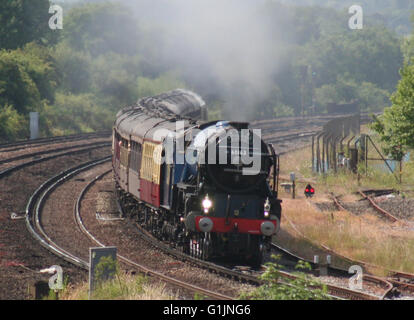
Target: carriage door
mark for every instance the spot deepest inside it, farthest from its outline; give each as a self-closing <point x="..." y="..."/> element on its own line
<point x="156" y="175"/>
<point x="117" y="156"/>
<point x="166" y="184"/>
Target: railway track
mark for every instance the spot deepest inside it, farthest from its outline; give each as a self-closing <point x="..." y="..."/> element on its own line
<point x="80" y="149"/>
<point x="48" y="242"/>
<point x="33" y="221"/>
<point x="33" y="212"/>
<point x="290" y="137"/>
<point x="385" y="213"/>
<point x="339" y="291"/>
<point x="20" y="255"/>
<point x="39" y="154"/>
<point x="395" y="279"/>
<point x="139" y="266"/>
<point x="342" y="292"/>
<point x="300" y="123"/>
<point x="18" y="145"/>
<point x="334" y="291"/>
<point x="34" y="224"/>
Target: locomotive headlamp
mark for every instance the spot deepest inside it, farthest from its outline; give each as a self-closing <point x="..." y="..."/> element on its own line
<point x="207" y="204"/>
<point x="267" y="208"/>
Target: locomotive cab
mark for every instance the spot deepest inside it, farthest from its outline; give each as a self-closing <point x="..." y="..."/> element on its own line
<point x="232" y="211"/>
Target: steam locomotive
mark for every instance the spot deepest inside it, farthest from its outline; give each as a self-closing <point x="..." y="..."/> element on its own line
<point x="188" y="182"/>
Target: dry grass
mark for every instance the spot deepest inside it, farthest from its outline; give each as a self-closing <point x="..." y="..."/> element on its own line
<point x="124" y="287"/>
<point x="366" y="239"/>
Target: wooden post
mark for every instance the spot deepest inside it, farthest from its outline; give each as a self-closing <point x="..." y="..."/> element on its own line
<point x="323" y="154"/>
<point x="328" y="156"/>
<point x="334" y="155"/>
<point x="366" y="156"/>
<point x="302" y="99"/>
<point x="319" y="156"/>
<point x="313" y="153"/>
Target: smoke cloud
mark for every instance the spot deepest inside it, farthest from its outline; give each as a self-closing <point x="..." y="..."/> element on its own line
<point x="233" y="45"/>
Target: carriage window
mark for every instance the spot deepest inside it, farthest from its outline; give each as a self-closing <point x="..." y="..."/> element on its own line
<point x="124" y="152"/>
<point x="135" y="163"/>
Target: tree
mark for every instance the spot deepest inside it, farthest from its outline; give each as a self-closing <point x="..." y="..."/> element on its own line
<point x="370" y="55"/>
<point x="114" y="76"/>
<point x="27" y="77"/>
<point x="408" y="46"/>
<point x="395" y="126"/>
<point x="101" y="28"/>
<point x="372" y="98"/>
<point x="73" y="67"/>
<point x="77" y="113"/>
<point x="346" y="90"/>
<point x="23" y="21"/>
<point x="393" y="13"/>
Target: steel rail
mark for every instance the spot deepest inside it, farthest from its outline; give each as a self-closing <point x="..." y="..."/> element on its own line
<point x="140" y="267"/>
<point x="48" y="243"/>
<point x="40" y="153"/>
<point x="365" y="116"/>
<point x="231" y="273"/>
<point x="374" y="279"/>
<point x="370" y="278"/>
<point x="379" y="209"/>
<point x="335" y="291"/>
<point x="46" y="189"/>
<point x="33" y="211"/>
<point x="345" y="291"/>
<point x="144" y="234"/>
<point x="289" y="137"/>
<point x="400" y="279"/>
<point x="34" y="205"/>
<point x="33" y="222"/>
<point x="9" y="170"/>
<point x="50" y="140"/>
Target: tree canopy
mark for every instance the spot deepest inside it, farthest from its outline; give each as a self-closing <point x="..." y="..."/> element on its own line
<point x="254" y="60"/>
<point x="395" y="126"/>
<point x="23" y="21"/>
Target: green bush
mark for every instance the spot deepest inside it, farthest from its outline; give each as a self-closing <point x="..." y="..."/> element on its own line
<point x="276" y="287"/>
<point x="27" y="78"/>
<point x="77" y="113"/>
<point x="13" y="125"/>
